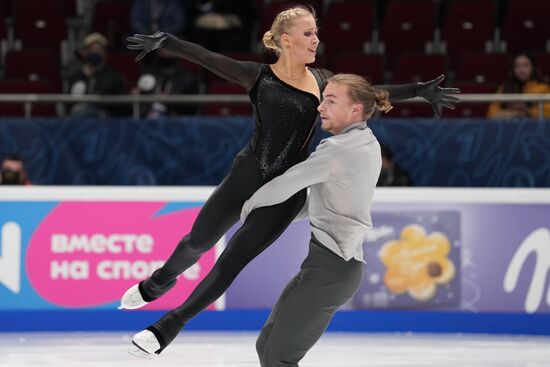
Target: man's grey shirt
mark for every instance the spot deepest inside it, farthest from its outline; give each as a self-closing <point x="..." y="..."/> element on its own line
<point x="342" y="174"/>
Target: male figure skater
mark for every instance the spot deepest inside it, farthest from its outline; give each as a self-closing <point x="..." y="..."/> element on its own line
<point x="341" y="174"/>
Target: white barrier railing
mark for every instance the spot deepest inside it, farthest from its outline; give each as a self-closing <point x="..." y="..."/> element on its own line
<point x="136" y="100"/>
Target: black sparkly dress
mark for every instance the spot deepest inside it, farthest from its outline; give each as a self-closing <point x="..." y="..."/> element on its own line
<point x="285" y="119"/>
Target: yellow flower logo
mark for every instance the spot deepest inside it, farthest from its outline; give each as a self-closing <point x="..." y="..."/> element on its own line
<point x="417" y="262"/>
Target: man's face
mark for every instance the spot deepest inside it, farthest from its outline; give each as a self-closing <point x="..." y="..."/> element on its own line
<point x="12" y="172"/>
<point x="94" y="54"/>
<point x="95" y="47"/>
<point x="16" y="166"/>
<point x="337" y="109"/>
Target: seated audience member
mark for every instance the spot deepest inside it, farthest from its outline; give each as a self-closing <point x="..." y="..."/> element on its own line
<point x="95" y="77"/>
<point x="164" y="76"/>
<point x="149" y="16"/>
<point x="392" y="174"/>
<point x="525" y="78"/>
<point x="221" y="25"/>
<point x="13" y="171"/>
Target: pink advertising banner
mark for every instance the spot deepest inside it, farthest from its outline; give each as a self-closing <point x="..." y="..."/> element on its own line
<point x="82" y="254"/>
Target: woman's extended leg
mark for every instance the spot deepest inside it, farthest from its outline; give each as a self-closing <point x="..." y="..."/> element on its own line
<point x="217" y="215"/>
<point x="260" y="229"/>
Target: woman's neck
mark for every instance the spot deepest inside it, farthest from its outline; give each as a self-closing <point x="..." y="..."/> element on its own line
<point x="290" y="69"/>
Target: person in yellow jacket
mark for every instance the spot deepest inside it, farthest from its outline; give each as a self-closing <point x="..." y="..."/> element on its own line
<point x="526" y="79"/>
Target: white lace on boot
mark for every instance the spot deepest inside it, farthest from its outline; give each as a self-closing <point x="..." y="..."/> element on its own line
<point x="144" y="345"/>
<point x="132" y="299"/>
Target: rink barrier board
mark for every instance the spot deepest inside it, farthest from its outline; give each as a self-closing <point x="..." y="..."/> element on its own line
<point x="246" y="316"/>
<point x="252" y="320"/>
<point x="199" y="150"/>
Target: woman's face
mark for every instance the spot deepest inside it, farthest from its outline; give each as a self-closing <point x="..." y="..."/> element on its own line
<point x="302" y="41"/>
<point x="523" y="68"/>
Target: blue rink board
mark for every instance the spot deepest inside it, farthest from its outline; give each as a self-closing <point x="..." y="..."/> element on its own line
<point x="246" y="320"/>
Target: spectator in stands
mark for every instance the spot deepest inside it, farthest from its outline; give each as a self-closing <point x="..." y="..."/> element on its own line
<point x="222" y="25"/>
<point x="95" y="77"/>
<point x="524" y="78"/>
<point x="149" y="16"/>
<point x="13" y="171"/>
<point x="165" y="76"/>
<point x="392" y="174"/>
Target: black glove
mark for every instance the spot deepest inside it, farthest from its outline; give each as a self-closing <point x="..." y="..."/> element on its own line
<point x="437" y="96"/>
<point x="147" y="43"/>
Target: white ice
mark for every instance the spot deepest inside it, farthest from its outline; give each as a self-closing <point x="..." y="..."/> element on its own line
<point x="236" y="349"/>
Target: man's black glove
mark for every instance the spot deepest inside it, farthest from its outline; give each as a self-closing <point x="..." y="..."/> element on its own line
<point x="437" y="96"/>
<point x="147" y="43"/>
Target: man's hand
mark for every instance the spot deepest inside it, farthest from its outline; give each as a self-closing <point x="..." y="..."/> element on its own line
<point x="146" y="43"/>
<point x="437" y="96"/>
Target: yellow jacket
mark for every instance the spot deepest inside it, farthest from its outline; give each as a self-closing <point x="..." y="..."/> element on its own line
<point x="531" y="87"/>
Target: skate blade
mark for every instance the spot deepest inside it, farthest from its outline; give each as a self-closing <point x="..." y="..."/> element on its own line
<point x="138" y="352"/>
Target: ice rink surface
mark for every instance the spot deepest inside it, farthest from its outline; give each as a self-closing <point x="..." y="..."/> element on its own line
<point x="236" y="349"/>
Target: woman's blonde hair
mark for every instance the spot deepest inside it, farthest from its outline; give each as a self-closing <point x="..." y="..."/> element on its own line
<point x="282" y="23"/>
<point x="361" y="91"/>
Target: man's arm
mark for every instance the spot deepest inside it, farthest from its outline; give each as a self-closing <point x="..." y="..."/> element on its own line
<point x="304" y="212"/>
<point x="315" y="169"/>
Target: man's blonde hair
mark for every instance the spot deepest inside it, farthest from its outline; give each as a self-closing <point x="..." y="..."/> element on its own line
<point x="361" y="91"/>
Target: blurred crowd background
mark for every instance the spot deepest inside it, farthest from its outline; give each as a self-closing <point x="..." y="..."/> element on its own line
<point x="78" y="47"/>
<point x="58" y="46"/>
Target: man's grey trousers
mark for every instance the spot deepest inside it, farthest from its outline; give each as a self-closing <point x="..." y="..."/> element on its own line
<point x="305" y="308"/>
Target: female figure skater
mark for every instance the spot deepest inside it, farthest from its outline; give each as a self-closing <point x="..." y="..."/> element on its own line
<point x="285" y="96"/>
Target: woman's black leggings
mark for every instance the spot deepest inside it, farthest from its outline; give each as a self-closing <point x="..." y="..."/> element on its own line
<point x="218" y="214"/>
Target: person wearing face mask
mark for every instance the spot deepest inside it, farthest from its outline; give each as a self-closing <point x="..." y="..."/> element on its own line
<point x="166" y="75"/>
<point x="149" y="16"/>
<point x="221" y="25"/>
<point x="285" y="96"/>
<point x="392" y="174"/>
<point x="95" y="77"/>
<point x="525" y="78"/>
<point x="12" y="171"/>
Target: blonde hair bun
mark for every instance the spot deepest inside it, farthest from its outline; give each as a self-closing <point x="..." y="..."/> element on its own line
<point x="269" y="41"/>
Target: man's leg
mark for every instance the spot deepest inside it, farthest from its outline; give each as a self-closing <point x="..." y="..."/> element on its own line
<point x="268" y="326"/>
<point x="302" y="314"/>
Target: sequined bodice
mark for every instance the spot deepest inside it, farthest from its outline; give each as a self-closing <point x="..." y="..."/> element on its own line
<point x="285" y="117"/>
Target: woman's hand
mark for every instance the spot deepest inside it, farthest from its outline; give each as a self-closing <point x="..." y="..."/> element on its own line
<point x="437" y="96"/>
<point x="146" y="43"/>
